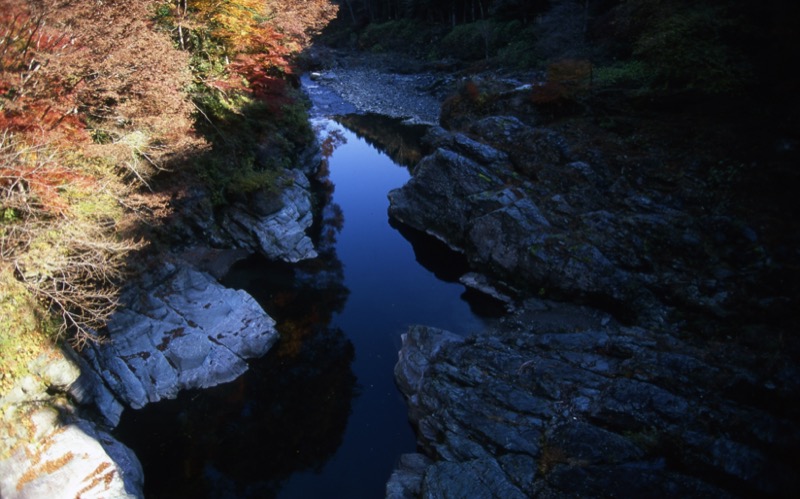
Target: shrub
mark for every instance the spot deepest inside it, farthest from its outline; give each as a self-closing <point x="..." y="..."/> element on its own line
<point x="22" y="325"/>
<point x="65" y="254"/>
<point x="688" y="50"/>
<point x="468" y="42"/>
<point x="520" y="49"/>
<point x="567" y="80"/>
<point x="510" y="41"/>
<point x="630" y="74"/>
<point x="400" y="35"/>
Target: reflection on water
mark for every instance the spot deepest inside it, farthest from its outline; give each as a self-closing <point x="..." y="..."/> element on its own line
<point x="320" y="415"/>
<point x="242" y="439"/>
<point x="287" y="414"/>
<point x="399" y="141"/>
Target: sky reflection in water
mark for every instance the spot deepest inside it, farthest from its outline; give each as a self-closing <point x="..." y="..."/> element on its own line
<point x="320" y="415"/>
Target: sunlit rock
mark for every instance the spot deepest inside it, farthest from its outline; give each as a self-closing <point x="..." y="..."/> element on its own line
<point x="278" y="233"/>
<point x="183" y="330"/>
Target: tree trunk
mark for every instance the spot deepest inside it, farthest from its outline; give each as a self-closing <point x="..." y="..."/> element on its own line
<point x="352" y="13"/>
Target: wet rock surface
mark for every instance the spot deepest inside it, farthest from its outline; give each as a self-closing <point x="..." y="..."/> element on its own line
<point x="562" y="401"/>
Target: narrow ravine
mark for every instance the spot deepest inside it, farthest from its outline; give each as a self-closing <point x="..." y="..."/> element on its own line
<point x="388" y="291"/>
<point x="320" y="415"/>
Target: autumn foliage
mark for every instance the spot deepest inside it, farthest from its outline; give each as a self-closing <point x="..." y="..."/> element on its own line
<point x="256" y="37"/>
<point x="97" y="98"/>
<point x="567" y="80"/>
<point x="35" y="99"/>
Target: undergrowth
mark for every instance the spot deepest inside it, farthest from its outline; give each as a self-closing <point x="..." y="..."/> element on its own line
<point x="101" y="102"/>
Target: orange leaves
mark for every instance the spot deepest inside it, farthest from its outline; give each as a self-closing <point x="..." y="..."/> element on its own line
<point x="259" y="54"/>
<point x="35" y="99"/>
<point x="299" y="20"/>
<point x="260" y="37"/>
<point x="566" y="80"/>
<point x="31" y="182"/>
<point x="264" y="64"/>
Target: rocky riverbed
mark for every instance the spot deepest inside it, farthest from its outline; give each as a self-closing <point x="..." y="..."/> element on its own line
<point x="177" y="328"/>
<point x="692" y="394"/>
<point x="649" y="349"/>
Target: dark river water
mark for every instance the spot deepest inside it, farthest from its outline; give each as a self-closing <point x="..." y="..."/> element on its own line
<point x="319" y="415"/>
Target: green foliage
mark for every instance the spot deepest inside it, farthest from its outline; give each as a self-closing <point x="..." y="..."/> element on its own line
<point x="248" y="179"/>
<point x="689" y="50"/>
<point x="238" y="128"/>
<point x="631" y="73"/>
<point x="487" y="39"/>
<point x="163" y="15"/>
<point x="520" y="50"/>
<point x="401" y="35"/>
<point x="21" y="323"/>
<point x="9" y="215"/>
<point x="467" y="42"/>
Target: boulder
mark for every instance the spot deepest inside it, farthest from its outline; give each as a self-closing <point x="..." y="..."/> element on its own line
<point x="561" y="401"/>
<point x="179" y="329"/>
<point x="65" y="456"/>
<point x="277" y="229"/>
<point x="49" y="449"/>
<point x="530" y="215"/>
<point x="472" y="199"/>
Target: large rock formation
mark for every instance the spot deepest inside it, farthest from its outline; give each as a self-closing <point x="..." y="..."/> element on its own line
<point x="179" y="329"/>
<point x="277" y="227"/>
<point x="47" y="449"/>
<point x="561" y="401"/>
<point x="529" y="212"/>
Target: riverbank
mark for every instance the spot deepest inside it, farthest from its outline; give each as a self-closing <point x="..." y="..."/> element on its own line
<point x="626" y="212"/>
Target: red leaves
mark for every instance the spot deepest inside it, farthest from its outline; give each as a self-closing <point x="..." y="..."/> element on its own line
<point x="264" y="64"/>
<point x="37" y="186"/>
<point x="35" y="99"/>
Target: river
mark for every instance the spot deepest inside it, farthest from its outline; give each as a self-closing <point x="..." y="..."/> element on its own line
<point x="319" y="416"/>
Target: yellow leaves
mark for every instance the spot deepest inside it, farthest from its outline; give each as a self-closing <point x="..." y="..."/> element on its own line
<point x="236" y="21"/>
<point x="21" y="340"/>
<point x="231" y="20"/>
<point x="299" y="20"/>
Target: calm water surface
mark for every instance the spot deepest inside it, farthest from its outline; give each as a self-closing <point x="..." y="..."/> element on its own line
<point x="389" y="290"/>
<point x="320" y="415"/>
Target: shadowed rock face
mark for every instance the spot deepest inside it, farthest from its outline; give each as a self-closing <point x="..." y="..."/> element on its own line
<point x="531" y="214"/>
<point x="558" y="401"/>
<point x="275" y="228"/>
<point x="561" y="401"/>
<point x="179" y="328"/>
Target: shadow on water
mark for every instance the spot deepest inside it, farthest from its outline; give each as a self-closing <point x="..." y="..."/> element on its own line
<point x="286" y="415"/>
<point x="448" y="266"/>
<point x="242" y="439"/>
<point x="319" y="415"/>
<point x="400" y="141"/>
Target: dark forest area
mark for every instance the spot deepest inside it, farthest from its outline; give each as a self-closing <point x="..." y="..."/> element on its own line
<point x="694" y="100"/>
<point x="713" y="47"/>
